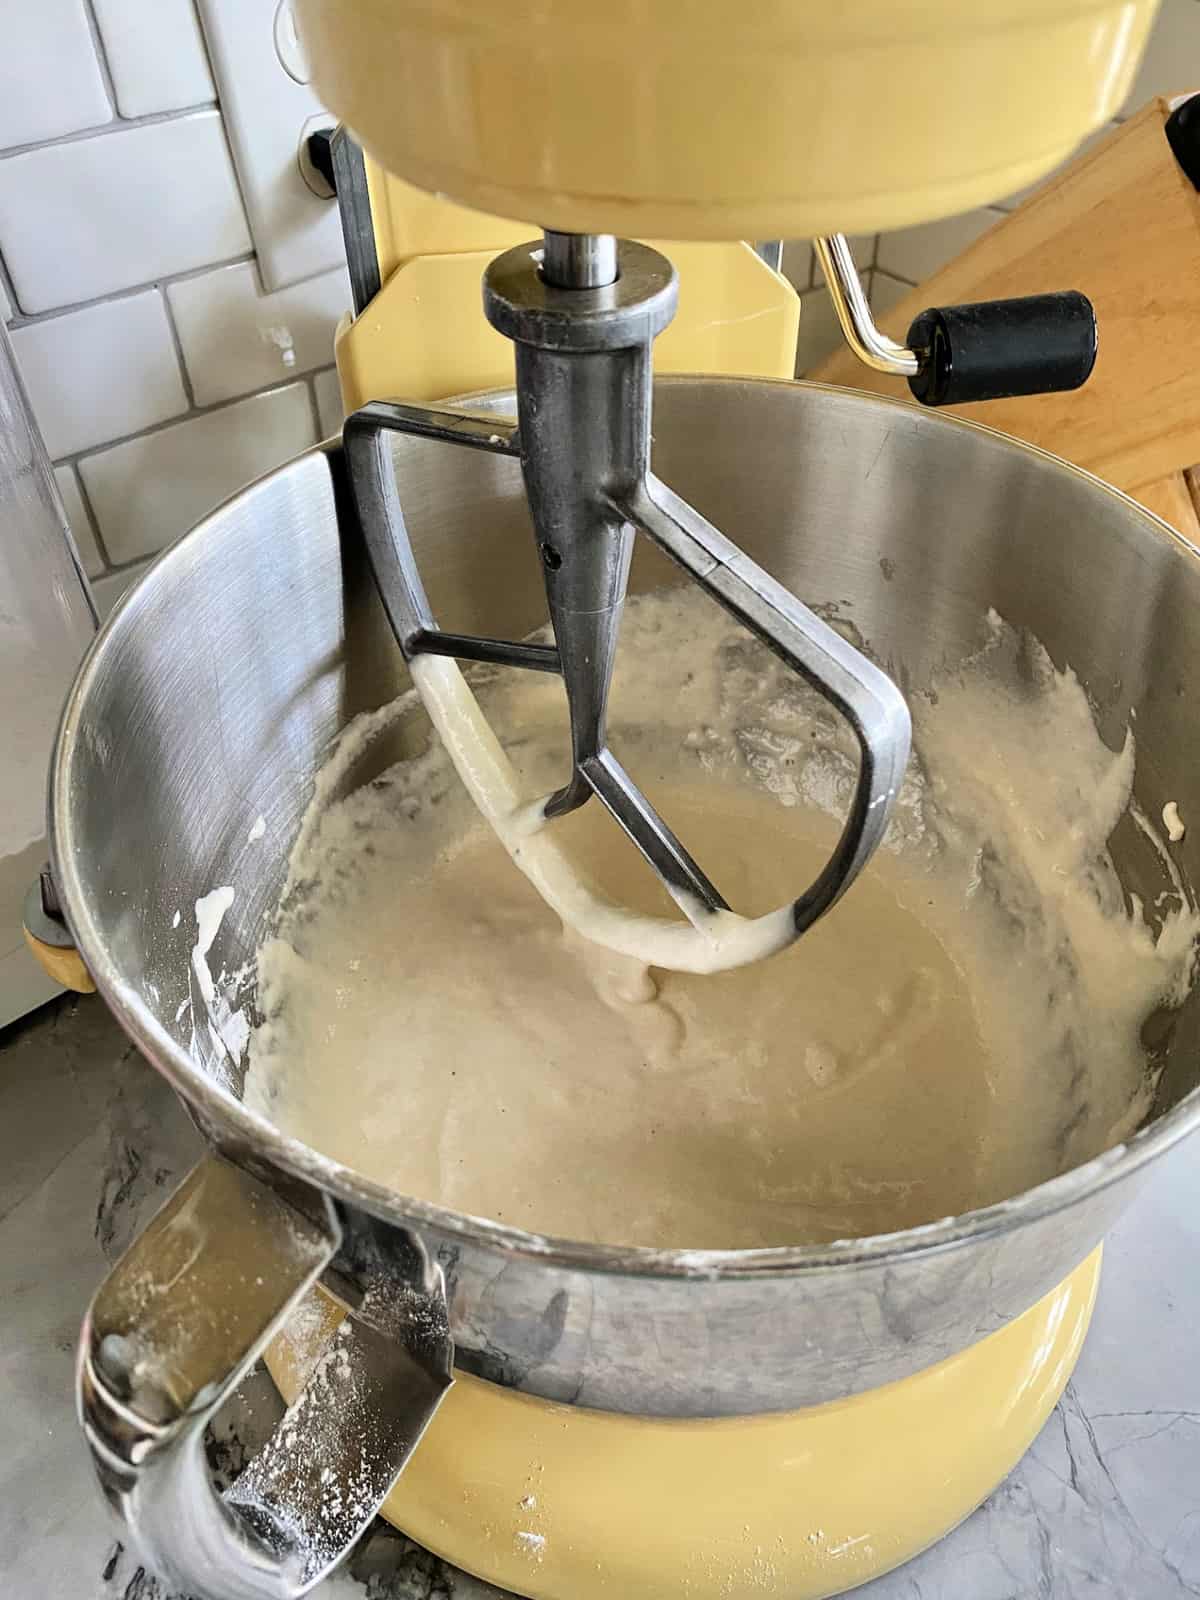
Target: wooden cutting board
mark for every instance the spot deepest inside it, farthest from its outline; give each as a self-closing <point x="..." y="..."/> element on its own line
<point x="1122" y="224"/>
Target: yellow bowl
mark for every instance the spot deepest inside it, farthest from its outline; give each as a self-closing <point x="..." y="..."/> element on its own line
<point x="558" y="1503"/>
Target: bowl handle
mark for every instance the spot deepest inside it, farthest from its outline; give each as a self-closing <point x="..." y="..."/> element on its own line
<point x="175" y="1326"/>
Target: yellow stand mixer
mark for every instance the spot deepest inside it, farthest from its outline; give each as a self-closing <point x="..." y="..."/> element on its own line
<point x="417" y="263"/>
<point x="571" y="1420"/>
<point x="698" y="125"/>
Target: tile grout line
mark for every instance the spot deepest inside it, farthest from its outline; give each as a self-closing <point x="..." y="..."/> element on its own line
<point x="128" y="566"/>
<point x="75" y="460"/>
<point x="101" y="52"/>
<point x="895" y="276"/>
<point x="35" y="318"/>
<point x="235" y="165"/>
<point x="209" y="58"/>
<point x="311" y="385"/>
<point x="104" y="130"/>
<point x="90" y="512"/>
<point x="10" y="292"/>
<point x="75" y="457"/>
<point x="177" y="343"/>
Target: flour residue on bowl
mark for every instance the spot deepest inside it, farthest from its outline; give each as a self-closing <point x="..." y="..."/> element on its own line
<point x="220" y="1026"/>
<point x="967" y="1023"/>
<point x="1173" y="822"/>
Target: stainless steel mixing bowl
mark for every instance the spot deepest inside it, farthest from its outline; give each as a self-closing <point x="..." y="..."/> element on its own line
<point x="211" y="698"/>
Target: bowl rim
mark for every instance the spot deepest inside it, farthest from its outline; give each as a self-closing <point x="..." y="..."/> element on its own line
<point x="242" y="1133"/>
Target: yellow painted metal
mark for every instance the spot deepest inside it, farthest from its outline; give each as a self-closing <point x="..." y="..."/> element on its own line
<point x="424" y="335"/>
<point x="62" y="964"/>
<point x="769" y="119"/>
<point x="409" y="222"/>
<point x="559" y="1503"/>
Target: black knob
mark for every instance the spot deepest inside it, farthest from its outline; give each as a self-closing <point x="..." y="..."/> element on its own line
<point x="1183" y="135"/>
<point x="320" y="153"/>
<point x="1038" y="344"/>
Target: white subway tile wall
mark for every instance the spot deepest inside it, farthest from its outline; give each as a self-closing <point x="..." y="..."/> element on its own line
<point x="885" y="291"/>
<point x="162" y="376"/>
<point x="149" y="490"/>
<point x="797" y="264"/>
<point x="132" y="293"/>
<point x="80" y="522"/>
<point x="819" y="330"/>
<point x="82" y="219"/>
<point x="914" y="253"/>
<point x="329" y="401"/>
<point x="235" y="338"/>
<point x="50" y="79"/>
<point x="266" y="110"/>
<point x="109" y="589"/>
<point x="102" y="372"/>
<point x="156" y="55"/>
<point x="1171" y="64"/>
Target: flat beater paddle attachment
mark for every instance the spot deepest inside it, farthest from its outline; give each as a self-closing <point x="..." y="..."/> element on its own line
<point x="583" y="312"/>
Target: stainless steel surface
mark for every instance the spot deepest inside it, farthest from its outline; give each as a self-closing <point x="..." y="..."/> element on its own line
<point x="368" y="456"/>
<point x="866" y="697"/>
<point x="46" y="624"/>
<point x="216" y="687"/>
<point x="584" y="417"/>
<point x="583" y="414"/>
<point x="524" y="306"/>
<point x="873" y="348"/>
<point x="172" y="1331"/>
<point x="579" y="260"/>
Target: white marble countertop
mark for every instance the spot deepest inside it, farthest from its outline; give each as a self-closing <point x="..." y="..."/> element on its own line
<point x="1106" y="1505"/>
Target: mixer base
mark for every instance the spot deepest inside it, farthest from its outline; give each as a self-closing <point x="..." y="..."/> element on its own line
<point x="557" y="1503"/>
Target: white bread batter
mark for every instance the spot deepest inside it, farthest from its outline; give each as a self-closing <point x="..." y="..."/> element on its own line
<point x="963" y="1025"/>
<point x="710" y="941"/>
